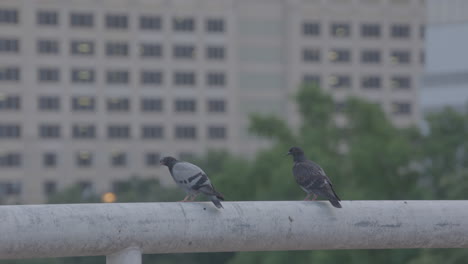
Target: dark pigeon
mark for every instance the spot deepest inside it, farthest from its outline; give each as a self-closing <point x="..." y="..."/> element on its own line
<point x="312" y="178"/>
<point x="192" y="180"/>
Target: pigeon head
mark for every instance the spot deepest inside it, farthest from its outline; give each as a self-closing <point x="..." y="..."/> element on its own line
<point x="168" y="161"/>
<point x="297" y="153"/>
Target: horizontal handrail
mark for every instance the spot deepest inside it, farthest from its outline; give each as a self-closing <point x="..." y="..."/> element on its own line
<point x="28" y="231"/>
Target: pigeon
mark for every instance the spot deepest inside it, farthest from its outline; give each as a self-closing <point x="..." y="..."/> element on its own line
<point x="312" y="178"/>
<point x="192" y="180"/>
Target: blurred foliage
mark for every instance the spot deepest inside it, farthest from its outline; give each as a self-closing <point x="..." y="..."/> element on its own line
<point x="367" y="158"/>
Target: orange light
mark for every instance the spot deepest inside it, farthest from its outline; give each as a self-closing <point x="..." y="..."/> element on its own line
<point x="108" y="197"/>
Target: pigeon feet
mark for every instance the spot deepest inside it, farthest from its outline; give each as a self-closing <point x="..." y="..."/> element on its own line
<point x="189" y="198"/>
<point x="193" y="197"/>
<point x="186" y="199"/>
<point x="308" y="197"/>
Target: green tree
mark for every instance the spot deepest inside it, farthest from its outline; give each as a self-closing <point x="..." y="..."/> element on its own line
<point x="369" y="155"/>
<point x="444" y="154"/>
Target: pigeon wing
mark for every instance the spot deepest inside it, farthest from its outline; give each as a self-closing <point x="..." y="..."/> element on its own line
<point x="190" y="176"/>
<point x="312" y="177"/>
<point x="308" y="174"/>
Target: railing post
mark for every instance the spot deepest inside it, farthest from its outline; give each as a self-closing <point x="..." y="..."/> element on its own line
<point x="130" y="255"/>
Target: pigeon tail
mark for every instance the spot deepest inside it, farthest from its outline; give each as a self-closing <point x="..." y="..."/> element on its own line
<point x="335" y="203"/>
<point x="334" y="193"/>
<point x="219" y="196"/>
<point x="216" y="202"/>
<point x="210" y="191"/>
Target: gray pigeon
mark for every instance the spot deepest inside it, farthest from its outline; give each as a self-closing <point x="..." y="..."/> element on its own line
<point x="312" y="178"/>
<point x="192" y="180"/>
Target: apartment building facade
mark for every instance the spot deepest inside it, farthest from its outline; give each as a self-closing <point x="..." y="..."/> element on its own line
<point x="95" y="91"/>
<point x="446" y="70"/>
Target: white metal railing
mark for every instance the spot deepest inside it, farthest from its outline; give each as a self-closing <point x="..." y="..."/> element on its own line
<point x="123" y="232"/>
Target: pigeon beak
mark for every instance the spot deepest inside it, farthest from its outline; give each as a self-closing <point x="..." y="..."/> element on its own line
<point x="287" y="154"/>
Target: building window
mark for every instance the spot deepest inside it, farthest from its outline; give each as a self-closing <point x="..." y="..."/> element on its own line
<point x="151" y="105"/>
<point x="152" y="132"/>
<point x="185" y="106"/>
<point x="341" y="30"/>
<point x="150" y="23"/>
<point x="10" y="160"/>
<point x="401" y="108"/>
<point x="183" y="24"/>
<point x="370" y="30"/>
<point x="10" y="131"/>
<point x="9" y="45"/>
<point x="311" y="55"/>
<point x="49" y="160"/>
<point x="118" y="105"/>
<point x="117" y="21"/>
<point x="215" y="53"/>
<point x="185" y="132"/>
<point x="371" y="82"/>
<point x="47" y="18"/>
<point x="82" y="75"/>
<point x="81" y="20"/>
<point x="48" y="103"/>
<point x="84" y="131"/>
<point x="184" y="52"/>
<point x="48" y="75"/>
<point x="152" y="159"/>
<point x="116" y="49"/>
<point x="216" y="132"/>
<point x="400" y="57"/>
<point x="214" y="25"/>
<point x="311" y="29"/>
<point x="339" y="55"/>
<point x="150" y="50"/>
<point x="83" y="103"/>
<point x="184" y="78"/>
<point x="47" y="47"/>
<point x="400" y="31"/>
<point x="10" y="102"/>
<point x="11" y="74"/>
<point x="50" y="187"/>
<point x="215" y="79"/>
<point x="153" y="78"/>
<point x="311" y="79"/>
<point x="84" y="158"/>
<point x="10" y="188"/>
<point x="216" y="106"/>
<point x="118" y="132"/>
<point x="370" y="56"/>
<point x="9" y="16"/>
<point x="49" y="131"/>
<point x="118" y="77"/>
<point x="82" y="47"/>
<point x="118" y="159"/>
<point x="340" y="81"/>
<point x="401" y="82"/>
